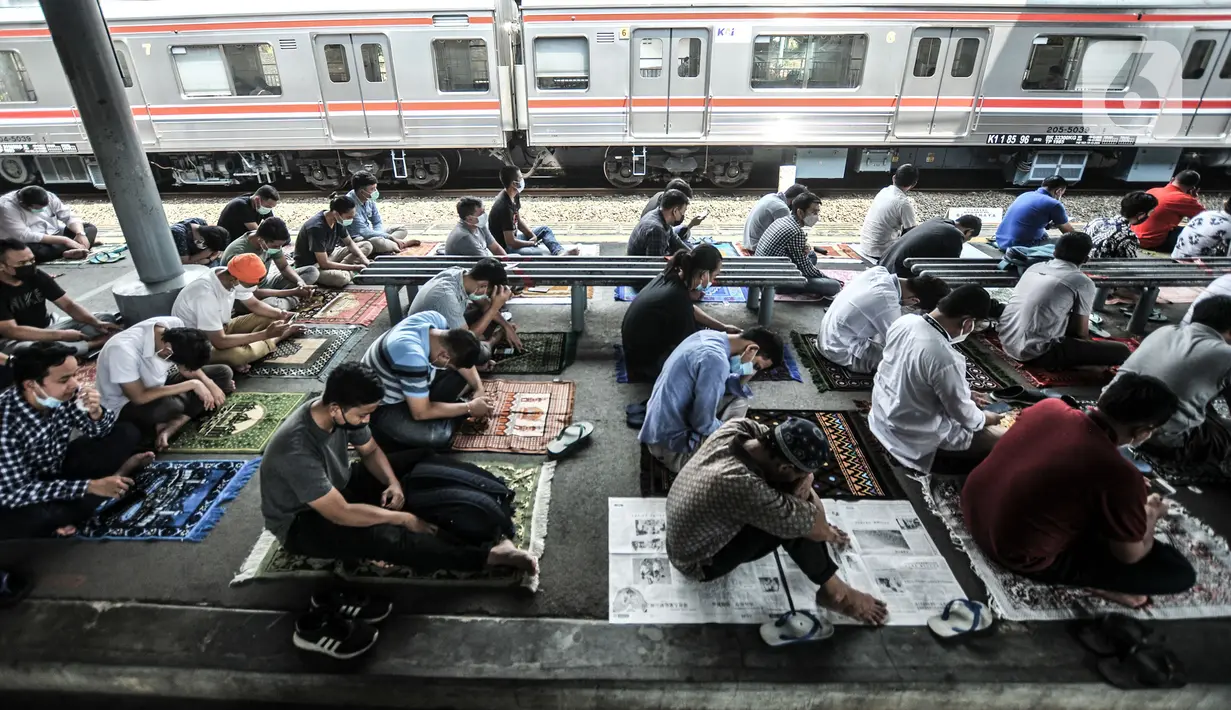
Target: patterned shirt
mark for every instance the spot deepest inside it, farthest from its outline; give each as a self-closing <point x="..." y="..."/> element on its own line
<point x="186" y="242"/>
<point x="1206" y="234"/>
<point x="654" y="237"/>
<point x="32" y="447"/>
<point x="1113" y="238"/>
<point x="786" y="238"/>
<point x="717" y="494"/>
<point x="401" y="357"/>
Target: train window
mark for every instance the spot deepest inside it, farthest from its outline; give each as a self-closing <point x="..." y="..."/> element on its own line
<point x="1198" y="59"/>
<point x="1071" y="63"/>
<point x="1226" y="69"/>
<point x="650" y="57"/>
<point x="689" y="51"/>
<point x="461" y="64"/>
<point x="926" y="56"/>
<point x="808" y="61"/>
<point x="965" y="58"/>
<point x="337" y="64"/>
<point x="14" y="81"/>
<point x="227" y="70"/>
<point x="374" y="69"/>
<point x="122" y="62"/>
<point x="562" y="63"/>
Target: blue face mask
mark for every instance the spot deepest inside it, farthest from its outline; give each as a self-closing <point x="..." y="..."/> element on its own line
<point x="47" y="401"/>
<point x="741" y="368"/>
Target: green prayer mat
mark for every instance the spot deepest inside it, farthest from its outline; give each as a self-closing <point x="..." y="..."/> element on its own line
<point x="545" y="354"/>
<point x="532" y="485"/>
<point x="242" y="425"/>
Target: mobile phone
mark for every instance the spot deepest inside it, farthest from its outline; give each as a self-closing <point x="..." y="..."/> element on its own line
<point x="1163" y="488"/>
<point x="703" y="215"/>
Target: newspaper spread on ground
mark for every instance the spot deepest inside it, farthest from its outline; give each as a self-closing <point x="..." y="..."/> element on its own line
<point x="891" y="556"/>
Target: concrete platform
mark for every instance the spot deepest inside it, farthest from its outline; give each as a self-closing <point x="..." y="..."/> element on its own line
<point x="158" y="620"/>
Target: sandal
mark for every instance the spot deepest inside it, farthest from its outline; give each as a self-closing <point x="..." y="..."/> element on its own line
<point x="1112" y="634"/>
<point x="962" y="617"/>
<point x="796" y="627"/>
<point x="1147" y="666"/>
<point x="574" y="437"/>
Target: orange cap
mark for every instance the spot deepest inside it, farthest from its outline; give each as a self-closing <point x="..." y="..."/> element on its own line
<point x="247" y="268"/>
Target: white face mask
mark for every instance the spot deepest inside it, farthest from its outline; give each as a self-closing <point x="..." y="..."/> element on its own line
<point x="962" y="336"/>
<point x="811" y="219"/>
<point x="262" y="209"/>
<point x="521" y="185"/>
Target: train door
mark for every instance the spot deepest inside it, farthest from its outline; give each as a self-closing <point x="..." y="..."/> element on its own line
<point x="136" y="97"/>
<point x="1205" y="85"/>
<point x="343" y="101"/>
<point x="669" y="82"/>
<point x="941" y="83"/>
<point x="374" y="64"/>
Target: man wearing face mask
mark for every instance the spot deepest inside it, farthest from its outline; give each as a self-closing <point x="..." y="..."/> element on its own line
<point x="1058" y="503"/>
<point x="703" y="384"/>
<point x="853" y="329"/>
<point x="785" y="237"/>
<point x="470" y="236"/>
<point x="471" y="299"/>
<point x="281" y="289"/>
<point x="654" y="235"/>
<point x="368" y="225"/>
<point x="921" y="401"/>
<point x="1047" y="321"/>
<point x="132" y="378"/>
<point x="207" y="303"/>
<point x="48" y="484"/>
<point x="40" y="220"/>
<point x="1113" y="237"/>
<point x="505" y="221"/>
<point x="24" y="293"/>
<point x="244" y="214"/>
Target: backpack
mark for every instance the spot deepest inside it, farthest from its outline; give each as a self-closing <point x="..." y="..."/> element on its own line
<point x="467" y="502"/>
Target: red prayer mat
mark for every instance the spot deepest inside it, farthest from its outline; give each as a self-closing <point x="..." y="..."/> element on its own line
<point x="354" y="306"/>
<point x="1039" y="377"/>
<point x="528" y="415"/>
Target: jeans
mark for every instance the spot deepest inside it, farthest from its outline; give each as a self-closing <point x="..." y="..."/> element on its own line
<point x="394" y="427"/>
<point x="81" y="347"/>
<point x="751" y="544"/>
<point x="313" y="535"/>
<point x="162" y="410"/>
<point x="549" y="244"/>
<point x="1090" y="564"/>
<point x="816" y="286"/>
<point x="1074" y="352"/>
<point x="44" y="253"/>
<point x="85" y="459"/>
<point x="729" y="408"/>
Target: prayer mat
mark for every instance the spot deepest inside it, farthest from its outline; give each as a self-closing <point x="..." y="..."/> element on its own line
<point x="354" y="306"/>
<point x="828" y="375"/>
<point x="713" y="294"/>
<point x="313" y="353"/>
<point x="656" y="479"/>
<point x="1179" y="294"/>
<point x="532" y="485"/>
<point x="424" y="249"/>
<point x="87" y="374"/>
<point x="787" y="371"/>
<point x="171" y="500"/>
<point x="545" y="354"/>
<point x="1000" y="294"/>
<point x="528" y="416"/>
<point x="1016" y="598"/>
<point x="993" y="357"/>
<point x="840" y="251"/>
<point x="547" y="296"/>
<point x="242" y="425"/>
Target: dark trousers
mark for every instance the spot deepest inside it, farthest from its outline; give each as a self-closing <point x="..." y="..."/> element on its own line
<point x="1073" y="352"/>
<point x="394" y="428"/>
<point x="1208" y="444"/>
<point x="754" y="543"/>
<point x="1162" y="571"/>
<point x="1168" y="244"/>
<point x="162" y="410"/>
<point x="85" y="459"/>
<point x="312" y="535"/>
<point x="50" y="252"/>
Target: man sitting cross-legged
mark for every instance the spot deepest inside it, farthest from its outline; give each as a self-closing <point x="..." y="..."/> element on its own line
<point x="49" y="485"/>
<point x="319" y="504"/>
<point x="853" y="329"/>
<point x="132" y="377"/>
<point x="702" y="385"/>
<point x="1057" y="502"/>
<point x="921" y="401"/>
<point x="284" y="288"/>
<point x="419" y="410"/>
<point x="748" y="491"/>
<point x="471" y="299"/>
<point x="207" y="302"/>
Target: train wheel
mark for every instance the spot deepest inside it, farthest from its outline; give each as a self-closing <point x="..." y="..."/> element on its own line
<point x="429" y="173"/>
<point x="620" y="174"/>
<point x="15" y="170"/>
<point x="731" y="174"/>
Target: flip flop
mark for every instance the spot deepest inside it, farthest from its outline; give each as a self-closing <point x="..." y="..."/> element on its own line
<point x="1149" y="666"/>
<point x="574" y="437"/>
<point x="636" y="407"/>
<point x="796" y="627"/>
<point x="104" y="257"/>
<point x="1112" y="634"/>
<point x="636" y="420"/>
<point x="962" y="617"/>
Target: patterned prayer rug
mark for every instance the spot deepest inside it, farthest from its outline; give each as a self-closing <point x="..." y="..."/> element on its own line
<point x="827" y="375"/>
<point x="558" y="295"/>
<point x="656" y="478"/>
<point x="787" y="371"/>
<point x="1018" y="599"/>
<point x="993" y="357"/>
<point x="1000" y="293"/>
<point x="713" y="294"/>
<point x="313" y="353"/>
<point x="528" y="416"/>
<point x="242" y="425"/>
<point x="354" y="306"/>
<point x="87" y="374"/>
<point x="171" y="500"/>
<point x="841" y="251"/>
<point x="424" y="249"/>
<point x="545" y="354"/>
<point x="530" y="482"/>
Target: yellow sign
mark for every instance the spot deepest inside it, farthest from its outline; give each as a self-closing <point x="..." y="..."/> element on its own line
<point x="891" y="37"/>
<point x="624" y="33"/>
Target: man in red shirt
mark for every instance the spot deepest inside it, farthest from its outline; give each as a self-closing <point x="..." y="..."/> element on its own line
<point x="1057" y="502"/>
<point x="1176" y="200"/>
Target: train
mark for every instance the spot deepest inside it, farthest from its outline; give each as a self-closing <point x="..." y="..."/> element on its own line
<point x="421" y="92"/>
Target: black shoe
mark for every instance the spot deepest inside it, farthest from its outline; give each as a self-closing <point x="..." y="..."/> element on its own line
<point x="1016" y="394"/>
<point x="352" y="605"/>
<point x="321" y="632"/>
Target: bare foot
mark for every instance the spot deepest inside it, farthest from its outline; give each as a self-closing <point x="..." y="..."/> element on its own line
<point x="75" y="254"/>
<point x="838" y="596"/>
<point x="506" y="554"/>
<point x="573" y="252"/>
<point x="66" y="531"/>
<point x="162" y="438"/>
<point x="135" y="463"/>
<point x="244" y="369"/>
<point x="381" y="564"/>
<point x="1132" y="601"/>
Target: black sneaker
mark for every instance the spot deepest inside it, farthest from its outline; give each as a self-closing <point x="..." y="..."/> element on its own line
<point x="352" y="605"/>
<point x="321" y="632"/>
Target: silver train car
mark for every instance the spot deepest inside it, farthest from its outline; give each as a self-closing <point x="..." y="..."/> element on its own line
<point x="238" y="92"/>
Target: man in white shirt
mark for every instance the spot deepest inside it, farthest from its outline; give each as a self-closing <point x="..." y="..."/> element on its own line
<point x="206" y="304"/>
<point x="1221" y="286"/>
<point x="40" y="219"/>
<point x="891" y="214"/>
<point x="1047" y="321"/>
<point x="132" y="377"/>
<point x="1207" y="234"/>
<point x="921" y="401"/>
<point x="773" y="206"/>
<point x="853" y="329"/>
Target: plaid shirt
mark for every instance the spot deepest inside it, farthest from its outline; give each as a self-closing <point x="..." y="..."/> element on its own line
<point x="32" y="447"/>
<point x="1113" y="238"/>
<point x="654" y="237"/>
<point x="786" y="238"/>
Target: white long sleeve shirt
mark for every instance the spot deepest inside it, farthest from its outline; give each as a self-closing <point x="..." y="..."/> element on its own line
<point x="860" y="315"/>
<point x="920" y="398"/>
<point x="17" y="222"/>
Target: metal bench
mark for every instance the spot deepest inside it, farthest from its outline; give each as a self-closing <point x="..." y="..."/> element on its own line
<point x="1147" y="274"/>
<point x="578" y="272"/>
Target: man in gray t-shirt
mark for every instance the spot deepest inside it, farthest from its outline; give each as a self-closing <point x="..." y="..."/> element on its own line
<point x="470" y="237"/>
<point x="471" y="299"/>
<point x="1047" y="321"/>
